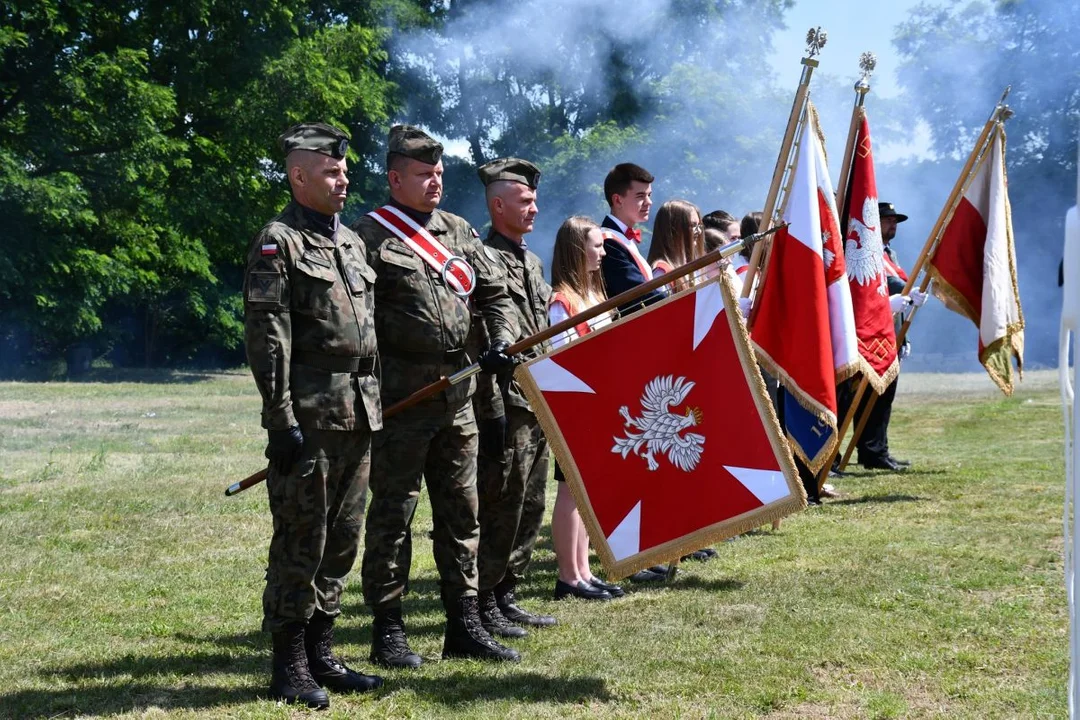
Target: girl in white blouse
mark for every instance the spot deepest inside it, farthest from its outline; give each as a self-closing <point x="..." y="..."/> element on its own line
<point x="577" y="286"/>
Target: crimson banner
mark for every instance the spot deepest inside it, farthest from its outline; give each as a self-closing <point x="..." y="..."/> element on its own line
<point x="664" y="430"/>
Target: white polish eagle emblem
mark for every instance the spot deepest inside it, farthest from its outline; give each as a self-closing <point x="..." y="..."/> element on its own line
<point x="660" y="428"/>
<point x="865" y="248"/>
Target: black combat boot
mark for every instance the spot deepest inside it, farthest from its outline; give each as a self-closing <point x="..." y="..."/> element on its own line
<point x="504" y="597"/>
<point x="389" y="647"/>
<point x="493" y="621"/>
<point x="328" y="669"/>
<point x="466" y="636"/>
<point x="291" y="680"/>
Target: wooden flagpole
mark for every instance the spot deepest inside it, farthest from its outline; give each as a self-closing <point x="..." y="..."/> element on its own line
<point x="619" y="300"/>
<point x="867" y="63"/>
<point x="1000" y="113"/>
<point x="815" y="40"/>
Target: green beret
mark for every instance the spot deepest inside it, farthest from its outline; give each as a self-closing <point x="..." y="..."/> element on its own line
<point x="316" y="137"/>
<point x="412" y="142"/>
<point x="512" y="169"/>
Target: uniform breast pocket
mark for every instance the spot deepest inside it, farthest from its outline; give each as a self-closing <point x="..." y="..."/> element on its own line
<point x="314" y="289"/>
<point x="516" y="290"/>
<point x="360" y="278"/>
<point x="398" y="264"/>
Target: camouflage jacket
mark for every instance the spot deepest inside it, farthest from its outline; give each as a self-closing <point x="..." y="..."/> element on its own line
<point x="422" y="326"/>
<point x="530" y="293"/>
<point x="308" y="298"/>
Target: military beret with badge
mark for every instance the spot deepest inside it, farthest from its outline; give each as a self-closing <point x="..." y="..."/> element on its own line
<point x="315" y="137"/>
<point x="509" y="169"/>
<point x="412" y="142"/>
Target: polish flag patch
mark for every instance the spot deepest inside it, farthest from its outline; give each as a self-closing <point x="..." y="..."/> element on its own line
<point x="270" y="249"/>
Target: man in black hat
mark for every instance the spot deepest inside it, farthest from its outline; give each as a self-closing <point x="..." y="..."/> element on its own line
<point x="309" y="328"/>
<point x="873" y="445"/>
<point x="432" y="270"/>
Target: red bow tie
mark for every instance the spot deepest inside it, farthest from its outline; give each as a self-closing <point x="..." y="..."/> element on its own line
<point x="633" y="234"/>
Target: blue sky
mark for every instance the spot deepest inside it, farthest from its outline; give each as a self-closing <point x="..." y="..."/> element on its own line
<point x="853" y="27"/>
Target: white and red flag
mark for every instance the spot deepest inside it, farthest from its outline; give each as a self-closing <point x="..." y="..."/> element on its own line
<point x="669" y="450"/>
<point x="974" y="266"/>
<point x="865" y="257"/>
<point x="803" y="327"/>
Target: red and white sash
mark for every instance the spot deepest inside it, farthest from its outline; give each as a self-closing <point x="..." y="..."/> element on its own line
<point x="892" y="268"/>
<point x="456" y="272"/>
<point x="618" y="237"/>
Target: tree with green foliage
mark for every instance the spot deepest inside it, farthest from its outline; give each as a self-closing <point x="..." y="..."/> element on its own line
<point x="137" y="157"/>
<point x="681" y="87"/>
<point x="958" y="57"/>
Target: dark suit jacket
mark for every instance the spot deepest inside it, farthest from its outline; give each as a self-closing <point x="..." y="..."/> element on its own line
<point x="621" y="272"/>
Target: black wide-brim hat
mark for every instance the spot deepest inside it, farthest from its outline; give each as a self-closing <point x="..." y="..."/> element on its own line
<point x="888" y="210"/>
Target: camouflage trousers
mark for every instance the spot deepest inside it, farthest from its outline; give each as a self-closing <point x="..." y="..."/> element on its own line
<point x="437" y="440"/>
<point x="318" y="512"/>
<point x="511" y="490"/>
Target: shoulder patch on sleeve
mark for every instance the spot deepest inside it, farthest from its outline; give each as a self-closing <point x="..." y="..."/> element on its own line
<point x="474" y="233"/>
<point x="264" y="287"/>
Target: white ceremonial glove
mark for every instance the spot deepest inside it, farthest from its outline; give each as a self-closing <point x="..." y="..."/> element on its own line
<point x="744" y="305"/>
<point x="905" y="350"/>
<point x="897" y="303"/>
<point x="917" y="297"/>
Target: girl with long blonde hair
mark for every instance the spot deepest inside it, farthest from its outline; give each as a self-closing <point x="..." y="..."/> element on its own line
<point x="577" y="285"/>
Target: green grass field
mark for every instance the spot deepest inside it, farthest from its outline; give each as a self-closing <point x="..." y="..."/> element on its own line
<point x="130" y="586"/>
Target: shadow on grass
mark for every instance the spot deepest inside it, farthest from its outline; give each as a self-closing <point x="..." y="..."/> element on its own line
<point x="117" y="698"/>
<point x="464" y="689"/>
<point x="154" y="376"/>
<point x="133" y="683"/>
<point x="130" y="682"/>
<point x="893" y="498"/>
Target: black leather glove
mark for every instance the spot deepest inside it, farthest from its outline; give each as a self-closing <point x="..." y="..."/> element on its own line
<point x="284" y="448"/>
<point x="495" y="359"/>
<point x="493" y="437"/>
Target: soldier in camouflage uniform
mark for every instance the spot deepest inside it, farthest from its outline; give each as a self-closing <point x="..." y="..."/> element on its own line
<point x="514" y="458"/>
<point x="423" y="326"/>
<point x="309" y="328"/>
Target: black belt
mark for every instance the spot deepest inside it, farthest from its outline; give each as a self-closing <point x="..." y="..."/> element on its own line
<point x="446" y="357"/>
<point x="335" y="363"/>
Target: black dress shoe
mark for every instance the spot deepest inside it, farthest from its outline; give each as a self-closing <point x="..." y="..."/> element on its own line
<point x="647" y="576"/>
<point x="581" y="589"/>
<point x="659" y="569"/>
<point x="835" y="471"/>
<point x="901" y="463"/>
<point x="710" y="552"/>
<point x="612" y="589"/>
<point x="881" y="463"/>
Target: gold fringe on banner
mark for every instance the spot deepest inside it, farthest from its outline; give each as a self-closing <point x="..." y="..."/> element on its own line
<point x="718" y="532"/>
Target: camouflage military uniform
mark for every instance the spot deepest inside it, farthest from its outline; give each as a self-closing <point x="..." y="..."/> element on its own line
<point x="511" y="487"/>
<point x="423" y="328"/>
<point x="310" y="334"/>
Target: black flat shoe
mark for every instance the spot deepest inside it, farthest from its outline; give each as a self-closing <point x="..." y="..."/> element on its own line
<point x="582" y="590"/>
<point x="647" y="576"/>
<point x="612" y="589"/>
<point x="882" y="463"/>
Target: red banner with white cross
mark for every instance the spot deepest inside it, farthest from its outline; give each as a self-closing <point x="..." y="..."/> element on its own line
<point x="664" y="430"/>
